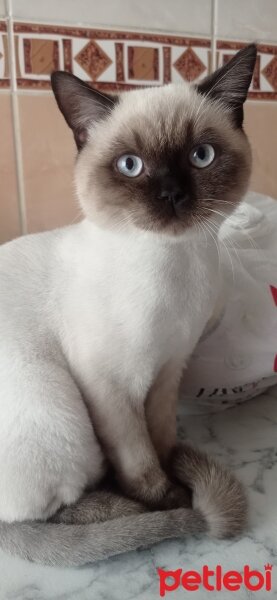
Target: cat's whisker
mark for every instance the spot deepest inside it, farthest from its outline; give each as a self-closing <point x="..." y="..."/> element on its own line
<point x="218" y="212"/>
<point x="120" y="224"/>
<point x="252" y="242"/>
<point x="199" y="227"/>
<point x="204" y="231"/>
<point x="227" y="249"/>
<point x="228" y="202"/>
<point x="198" y="112"/>
<point x="79" y="214"/>
<point x="233" y="245"/>
<point x="228" y="253"/>
<point x="205" y="222"/>
<point x="254" y="246"/>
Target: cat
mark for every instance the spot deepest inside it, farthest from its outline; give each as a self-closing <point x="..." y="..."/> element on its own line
<point x="98" y="320"/>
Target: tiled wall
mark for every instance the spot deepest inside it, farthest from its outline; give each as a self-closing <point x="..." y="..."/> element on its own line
<point x="116" y="45"/>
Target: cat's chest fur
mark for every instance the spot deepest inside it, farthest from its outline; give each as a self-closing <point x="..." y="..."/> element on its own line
<point x="135" y="302"/>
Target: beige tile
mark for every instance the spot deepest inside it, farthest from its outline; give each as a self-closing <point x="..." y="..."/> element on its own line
<point x="261" y="127"/>
<point x="48" y="158"/>
<point x="9" y="218"/>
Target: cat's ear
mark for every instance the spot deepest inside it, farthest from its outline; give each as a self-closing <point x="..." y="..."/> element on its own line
<point x="80" y="104"/>
<point x="230" y="83"/>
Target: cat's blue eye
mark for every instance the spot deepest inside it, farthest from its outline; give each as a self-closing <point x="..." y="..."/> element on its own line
<point x="130" y="165"/>
<point x="202" y="156"/>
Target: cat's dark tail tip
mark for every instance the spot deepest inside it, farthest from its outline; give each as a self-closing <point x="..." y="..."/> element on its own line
<point x="217" y="494"/>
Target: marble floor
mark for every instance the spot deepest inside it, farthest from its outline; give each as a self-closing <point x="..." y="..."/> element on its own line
<point x="243" y="437"/>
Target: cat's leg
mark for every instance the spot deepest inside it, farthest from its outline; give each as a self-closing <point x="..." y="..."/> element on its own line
<point x="161" y="407"/>
<point x="49" y="452"/>
<point x="122" y="430"/>
<point x="120" y="425"/>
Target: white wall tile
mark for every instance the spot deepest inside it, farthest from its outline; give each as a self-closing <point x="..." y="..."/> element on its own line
<point x="184" y="16"/>
<point x="2" y="8"/>
<point x="248" y="19"/>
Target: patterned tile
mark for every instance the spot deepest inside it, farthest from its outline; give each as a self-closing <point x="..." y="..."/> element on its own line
<point x="41" y="56"/>
<point x="143" y="63"/>
<point x="93" y="60"/>
<point x="189" y="65"/>
<point x="264" y="81"/>
<point x="256" y="81"/>
<point x="270" y="72"/>
<point x="167" y="64"/>
<point x="67" y="55"/>
<point x="119" y="58"/>
<point x="4" y="57"/>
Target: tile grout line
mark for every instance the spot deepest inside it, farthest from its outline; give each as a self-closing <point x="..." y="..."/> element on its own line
<point x="214" y="16"/>
<point x="16" y="122"/>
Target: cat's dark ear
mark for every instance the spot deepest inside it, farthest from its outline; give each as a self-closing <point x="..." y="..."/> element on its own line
<point x="80" y="104"/>
<point x="230" y="83"/>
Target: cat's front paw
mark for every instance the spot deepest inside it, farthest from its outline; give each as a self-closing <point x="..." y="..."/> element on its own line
<point x="150" y="488"/>
<point x="176" y="497"/>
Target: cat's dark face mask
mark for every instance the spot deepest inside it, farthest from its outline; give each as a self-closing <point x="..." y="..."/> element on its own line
<point x="162" y="159"/>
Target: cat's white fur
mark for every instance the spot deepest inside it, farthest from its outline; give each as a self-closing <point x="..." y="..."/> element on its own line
<point x="87" y="317"/>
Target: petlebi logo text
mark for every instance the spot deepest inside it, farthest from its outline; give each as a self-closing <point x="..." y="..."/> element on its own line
<point x="215" y="579"/>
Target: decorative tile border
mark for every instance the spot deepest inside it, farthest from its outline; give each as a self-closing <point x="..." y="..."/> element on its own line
<point x="112" y="60"/>
<point x="121" y="60"/>
<point x="4" y="57"/>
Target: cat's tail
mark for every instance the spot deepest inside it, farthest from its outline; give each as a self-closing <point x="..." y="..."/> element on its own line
<point x="75" y="545"/>
<point x="219" y="508"/>
<point x="216" y="493"/>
